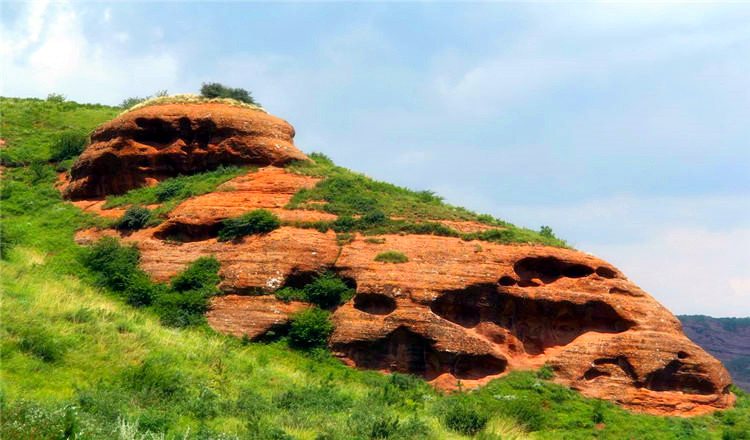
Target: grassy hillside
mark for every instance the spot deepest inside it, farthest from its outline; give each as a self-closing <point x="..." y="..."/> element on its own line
<point x="78" y="362"/>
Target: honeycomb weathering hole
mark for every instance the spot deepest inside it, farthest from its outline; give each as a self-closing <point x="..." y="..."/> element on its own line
<point x="549" y="269"/>
<point x="537" y="323"/>
<point x="678" y="376"/>
<point x="605" y="272"/>
<point x="374" y="303"/>
<point x="407" y="352"/>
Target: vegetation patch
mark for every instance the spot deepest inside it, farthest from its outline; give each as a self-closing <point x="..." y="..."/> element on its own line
<point x="366" y="205"/>
<point x="171" y="192"/>
<point x="310" y="328"/>
<point x="180" y="304"/>
<point x="260" y="221"/>
<point x="68" y="145"/>
<point x="134" y="218"/>
<point x="325" y="290"/>
<point x="391" y="257"/>
<point x="188" y="98"/>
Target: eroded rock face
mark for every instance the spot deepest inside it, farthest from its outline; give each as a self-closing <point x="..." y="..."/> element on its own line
<point x="152" y="143"/>
<point x="458" y="310"/>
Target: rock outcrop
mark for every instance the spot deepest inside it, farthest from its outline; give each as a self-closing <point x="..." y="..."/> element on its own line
<point x="458" y="310"/>
<point x="152" y="143"/>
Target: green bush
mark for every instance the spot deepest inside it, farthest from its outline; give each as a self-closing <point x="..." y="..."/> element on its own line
<point x="327" y="290"/>
<point x="10" y="236"/>
<point x="169" y="189"/>
<point x="260" y="221"/>
<point x="113" y="264"/>
<point x="217" y="90"/>
<point x="157" y="376"/>
<point x="310" y="328"/>
<point x="202" y="274"/>
<point x="55" y="97"/>
<point x="68" y="144"/>
<point x="391" y="257"/>
<point x="464" y="417"/>
<point x="134" y="218"/>
<point x="141" y="291"/>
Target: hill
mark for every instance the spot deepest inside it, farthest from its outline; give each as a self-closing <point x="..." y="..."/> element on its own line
<point x="726" y="338"/>
<point x="78" y="362"/>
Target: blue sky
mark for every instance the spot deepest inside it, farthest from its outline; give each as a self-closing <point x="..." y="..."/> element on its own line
<point x="625" y="127"/>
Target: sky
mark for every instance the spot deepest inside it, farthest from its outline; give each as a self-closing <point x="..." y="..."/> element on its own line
<point x="625" y="127"/>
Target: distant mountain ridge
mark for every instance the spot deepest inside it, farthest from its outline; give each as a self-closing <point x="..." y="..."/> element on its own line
<point x="728" y="339"/>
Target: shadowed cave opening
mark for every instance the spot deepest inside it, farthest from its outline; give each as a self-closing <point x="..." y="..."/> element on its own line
<point x="185" y="233"/>
<point x="537" y="323"/>
<point x="160" y="133"/>
<point x="549" y="269"/>
<point x="406" y="352"/>
<point x="619" y="361"/>
<point x="679" y="376"/>
<point x="374" y="303"/>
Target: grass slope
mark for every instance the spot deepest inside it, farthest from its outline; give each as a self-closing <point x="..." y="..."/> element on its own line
<point x="77" y="362"/>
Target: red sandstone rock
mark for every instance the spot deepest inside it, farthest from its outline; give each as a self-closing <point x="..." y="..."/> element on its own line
<point x="152" y="143"/>
<point x="466" y="311"/>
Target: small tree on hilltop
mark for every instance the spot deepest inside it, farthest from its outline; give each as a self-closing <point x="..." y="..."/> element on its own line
<point x="217" y="90"/>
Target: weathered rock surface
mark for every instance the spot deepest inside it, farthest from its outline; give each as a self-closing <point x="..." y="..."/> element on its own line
<point x="152" y="143"/>
<point x="458" y="310"/>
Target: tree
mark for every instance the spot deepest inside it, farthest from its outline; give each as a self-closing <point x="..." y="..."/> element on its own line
<point x="217" y="90"/>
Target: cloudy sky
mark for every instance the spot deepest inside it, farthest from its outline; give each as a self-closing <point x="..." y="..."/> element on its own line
<point x="625" y="127"/>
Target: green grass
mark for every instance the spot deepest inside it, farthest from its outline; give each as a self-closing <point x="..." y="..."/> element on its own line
<point x="391" y="257"/>
<point x="171" y="192"/>
<point x="31" y="127"/>
<point x="351" y="194"/>
<point x="79" y="362"/>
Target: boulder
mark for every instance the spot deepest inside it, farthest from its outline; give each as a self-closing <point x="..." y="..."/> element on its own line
<point x="149" y="144"/>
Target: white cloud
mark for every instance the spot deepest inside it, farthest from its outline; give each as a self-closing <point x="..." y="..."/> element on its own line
<point x="47" y="51"/>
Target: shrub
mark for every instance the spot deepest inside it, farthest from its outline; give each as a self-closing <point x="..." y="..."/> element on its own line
<point x="202" y="274"/>
<point x="546" y="231"/>
<point x="113" y="263"/>
<point x="217" y="90"/>
<point x="135" y="218"/>
<point x="259" y="221"/>
<point x="391" y="257"/>
<point x="310" y="328"/>
<point x="376" y="240"/>
<point x="182" y="309"/>
<point x="464" y="417"/>
<point x="169" y="189"/>
<point x="345" y="223"/>
<point x="67" y="145"/>
<point x="290" y="294"/>
<point x="141" y="291"/>
<point x="327" y="290"/>
<point x="56" y="97"/>
<point x="373" y="218"/>
<point x="546" y="372"/>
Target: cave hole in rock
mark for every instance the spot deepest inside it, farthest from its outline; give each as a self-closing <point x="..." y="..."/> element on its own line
<point x="506" y="280"/>
<point x="186" y="233"/>
<point x="682" y="355"/>
<point x="160" y="133"/>
<point x="537" y="323"/>
<point x="679" y="376"/>
<point x="619" y="361"/>
<point x="605" y="272"/>
<point x="374" y="303"/>
<point x="593" y="372"/>
<point x="549" y="269"/>
<point x="407" y="352"/>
